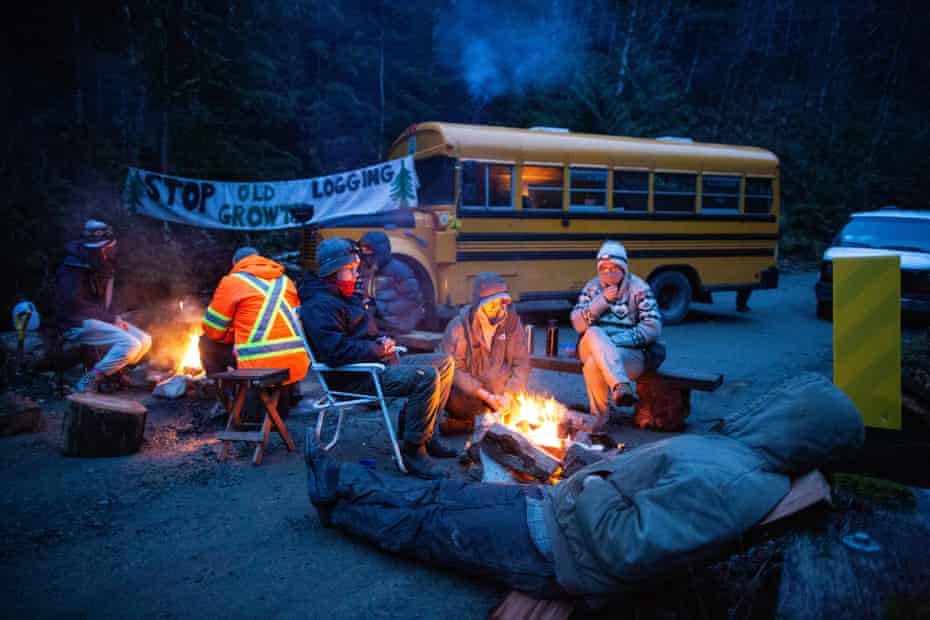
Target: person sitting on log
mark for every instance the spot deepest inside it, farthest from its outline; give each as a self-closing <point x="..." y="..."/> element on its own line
<point x="619" y="322"/>
<point x="389" y="288"/>
<point x="252" y="320"/>
<point x="83" y="295"/>
<point x="488" y="345"/>
<point x="341" y="332"/>
<point x="615" y="525"/>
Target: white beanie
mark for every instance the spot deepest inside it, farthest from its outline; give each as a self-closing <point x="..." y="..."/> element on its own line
<point x="614" y="252"/>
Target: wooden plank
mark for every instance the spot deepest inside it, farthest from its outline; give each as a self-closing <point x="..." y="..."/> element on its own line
<point x="675" y="377"/>
<point x="263" y="376"/>
<point x="520" y="606"/>
<point x="250" y="436"/>
<point x="419" y="340"/>
<point x="806" y="491"/>
<point x="109" y="403"/>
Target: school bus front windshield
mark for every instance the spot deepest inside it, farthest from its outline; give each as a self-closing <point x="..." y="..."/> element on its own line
<point x="534" y="206"/>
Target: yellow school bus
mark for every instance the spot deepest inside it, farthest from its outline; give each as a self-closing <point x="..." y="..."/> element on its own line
<point x="535" y="204"/>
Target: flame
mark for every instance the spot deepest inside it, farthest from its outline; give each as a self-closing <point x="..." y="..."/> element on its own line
<point x="190" y="363"/>
<point x="536" y="418"/>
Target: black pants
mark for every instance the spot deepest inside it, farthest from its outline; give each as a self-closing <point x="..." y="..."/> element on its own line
<point x="425" y="386"/>
<point x="476" y="528"/>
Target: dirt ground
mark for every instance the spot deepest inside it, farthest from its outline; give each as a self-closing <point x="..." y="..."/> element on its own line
<point x="171" y="532"/>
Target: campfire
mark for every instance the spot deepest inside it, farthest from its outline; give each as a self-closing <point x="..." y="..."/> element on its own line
<point x="190" y="361"/>
<point x="537" y="438"/>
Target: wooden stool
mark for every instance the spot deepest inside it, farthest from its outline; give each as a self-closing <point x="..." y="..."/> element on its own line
<point x="268" y="383"/>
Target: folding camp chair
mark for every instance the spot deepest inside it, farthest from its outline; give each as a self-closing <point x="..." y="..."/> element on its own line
<point x="341" y="400"/>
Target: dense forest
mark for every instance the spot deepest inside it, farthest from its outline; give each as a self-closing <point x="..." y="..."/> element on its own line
<point x="281" y="89"/>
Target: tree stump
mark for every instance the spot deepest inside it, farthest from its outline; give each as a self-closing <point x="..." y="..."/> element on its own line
<point x="97" y="425"/>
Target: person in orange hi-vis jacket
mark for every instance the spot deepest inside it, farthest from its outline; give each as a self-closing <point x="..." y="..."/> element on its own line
<point x="254" y="309"/>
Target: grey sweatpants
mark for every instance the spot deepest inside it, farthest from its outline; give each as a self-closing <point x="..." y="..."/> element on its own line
<point x="606" y="365"/>
<point x="124" y="346"/>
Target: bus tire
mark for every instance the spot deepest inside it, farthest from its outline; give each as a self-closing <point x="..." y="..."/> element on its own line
<point x="673" y="295"/>
<point x="825" y="310"/>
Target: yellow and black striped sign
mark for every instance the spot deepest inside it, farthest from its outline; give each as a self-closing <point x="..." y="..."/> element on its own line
<point x="867" y="336"/>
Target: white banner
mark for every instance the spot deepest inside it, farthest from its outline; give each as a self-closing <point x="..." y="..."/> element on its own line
<point x="274" y="205"/>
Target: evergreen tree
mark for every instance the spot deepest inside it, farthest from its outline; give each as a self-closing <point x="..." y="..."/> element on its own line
<point x="402" y="190"/>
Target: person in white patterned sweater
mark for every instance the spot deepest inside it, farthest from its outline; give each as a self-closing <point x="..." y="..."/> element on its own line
<point x="619" y="322"/>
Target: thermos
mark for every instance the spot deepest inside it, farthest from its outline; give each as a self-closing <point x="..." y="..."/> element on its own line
<point x="552" y="338"/>
<point x="528" y="330"/>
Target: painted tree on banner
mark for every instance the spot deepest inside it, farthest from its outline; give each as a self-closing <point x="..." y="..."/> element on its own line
<point x="402" y="190"/>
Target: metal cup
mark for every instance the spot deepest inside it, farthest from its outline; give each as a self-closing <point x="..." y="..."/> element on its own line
<point x="528" y="330"/>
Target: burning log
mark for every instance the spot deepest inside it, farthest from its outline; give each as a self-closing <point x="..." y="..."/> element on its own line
<point x="574" y="422"/>
<point x="511" y="449"/>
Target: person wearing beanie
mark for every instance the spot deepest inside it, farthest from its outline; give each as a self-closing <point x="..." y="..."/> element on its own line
<point x="488" y="346"/>
<point x="83" y="296"/>
<point x="388" y="287"/>
<point x="618" y="319"/>
<point x="252" y="322"/>
<point x="340" y="331"/>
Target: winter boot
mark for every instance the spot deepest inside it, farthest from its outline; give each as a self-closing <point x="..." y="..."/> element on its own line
<point x="418" y="463"/>
<point x="89" y="382"/>
<point x="322" y="477"/>
<point x="436" y="448"/>
<point x="624" y="395"/>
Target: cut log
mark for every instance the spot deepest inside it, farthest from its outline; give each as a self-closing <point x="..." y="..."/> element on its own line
<point x="573" y="422"/>
<point x="97" y="425"/>
<point x="18" y="414"/>
<point x="515" y="452"/>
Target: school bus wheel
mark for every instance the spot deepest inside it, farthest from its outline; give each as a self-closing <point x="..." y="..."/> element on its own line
<point x="673" y="294"/>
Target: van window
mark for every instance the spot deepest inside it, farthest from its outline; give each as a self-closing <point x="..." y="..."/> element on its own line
<point x="486" y="185"/>
<point x="719" y="193"/>
<point x="631" y="190"/>
<point x="542" y="187"/>
<point x="674" y="191"/>
<point x="588" y="188"/>
<point x="758" y="195"/>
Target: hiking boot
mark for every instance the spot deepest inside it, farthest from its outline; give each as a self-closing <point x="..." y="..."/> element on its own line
<point x="456" y="426"/>
<point x="436" y="448"/>
<point x="322" y="477"/>
<point x="624" y="395"/>
<point x="89" y="382"/>
<point x="419" y="464"/>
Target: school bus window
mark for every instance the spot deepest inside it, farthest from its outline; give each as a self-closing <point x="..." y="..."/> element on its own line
<point x="437" y="180"/>
<point x="719" y="193"/>
<point x="486" y="185"/>
<point x="542" y="187"/>
<point x="588" y="188"/>
<point x="631" y="190"/>
<point x="758" y="195"/>
<point x="674" y="191"/>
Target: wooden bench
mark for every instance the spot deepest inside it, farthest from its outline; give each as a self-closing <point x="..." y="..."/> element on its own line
<point x="667" y="387"/>
<point x="268" y="383"/>
<point x="420" y="341"/>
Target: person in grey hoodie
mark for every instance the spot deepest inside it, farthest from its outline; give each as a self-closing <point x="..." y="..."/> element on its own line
<point x="614" y="526"/>
<point x="618" y="319"/>
<point x="488" y="345"/>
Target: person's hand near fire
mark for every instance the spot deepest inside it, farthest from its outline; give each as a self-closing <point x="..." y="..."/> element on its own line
<point x="496" y="402"/>
<point x="385" y="349"/>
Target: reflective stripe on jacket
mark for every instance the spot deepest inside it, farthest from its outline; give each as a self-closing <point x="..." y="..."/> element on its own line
<point x="255" y="309"/>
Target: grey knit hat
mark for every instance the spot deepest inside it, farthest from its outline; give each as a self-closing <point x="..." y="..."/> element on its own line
<point x="243" y="252"/>
<point x="614" y="252"/>
<point x="488" y="287"/>
<point x="333" y="254"/>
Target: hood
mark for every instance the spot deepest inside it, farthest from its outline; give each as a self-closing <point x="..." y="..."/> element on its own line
<point x="381" y="245"/>
<point x="311" y="284"/>
<point x="260" y="266"/>
<point x="804" y="423"/>
<point x="909" y="260"/>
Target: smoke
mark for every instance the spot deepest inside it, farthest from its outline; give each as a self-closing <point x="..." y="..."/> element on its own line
<point x="509" y="47"/>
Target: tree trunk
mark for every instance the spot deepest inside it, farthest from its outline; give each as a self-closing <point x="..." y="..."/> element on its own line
<point x="97" y="425"/>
